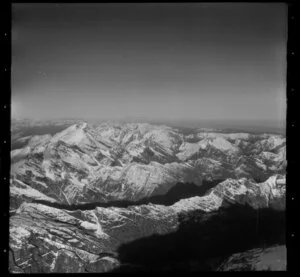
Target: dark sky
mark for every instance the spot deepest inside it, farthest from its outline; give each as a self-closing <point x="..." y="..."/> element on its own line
<point x="171" y="62"/>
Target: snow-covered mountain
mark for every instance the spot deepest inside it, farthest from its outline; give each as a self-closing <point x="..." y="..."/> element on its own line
<point x="105" y="162"/>
<point x="61" y="181"/>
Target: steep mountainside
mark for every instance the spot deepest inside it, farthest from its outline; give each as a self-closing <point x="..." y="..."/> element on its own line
<point x="90" y="197"/>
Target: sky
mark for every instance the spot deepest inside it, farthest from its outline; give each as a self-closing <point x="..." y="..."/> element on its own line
<point x="151" y="62"/>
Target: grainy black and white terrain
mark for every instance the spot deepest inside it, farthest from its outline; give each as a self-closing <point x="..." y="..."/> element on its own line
<point x="126" y="197"/>
<point x="148" y="137"/>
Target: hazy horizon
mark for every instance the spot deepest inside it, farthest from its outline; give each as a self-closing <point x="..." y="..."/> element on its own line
<point x="173" y="63"/>
<point x="265" y="127"/>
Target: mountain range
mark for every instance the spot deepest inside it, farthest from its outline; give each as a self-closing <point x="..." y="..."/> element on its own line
<point x="102" y="196"/>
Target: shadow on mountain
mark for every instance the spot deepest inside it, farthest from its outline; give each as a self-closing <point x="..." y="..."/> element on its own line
<point x="176" y="193"/>
<point x="204" y="240"/>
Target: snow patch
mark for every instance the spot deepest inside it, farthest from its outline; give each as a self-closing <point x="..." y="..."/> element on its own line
<point x="29" y="192"/>
<point x="222" y="144"/>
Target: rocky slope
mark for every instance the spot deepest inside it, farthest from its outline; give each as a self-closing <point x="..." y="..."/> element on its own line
<point x="55" y="176"/>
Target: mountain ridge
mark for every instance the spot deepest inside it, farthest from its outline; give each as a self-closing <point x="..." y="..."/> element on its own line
<point x="81" y="193"/>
